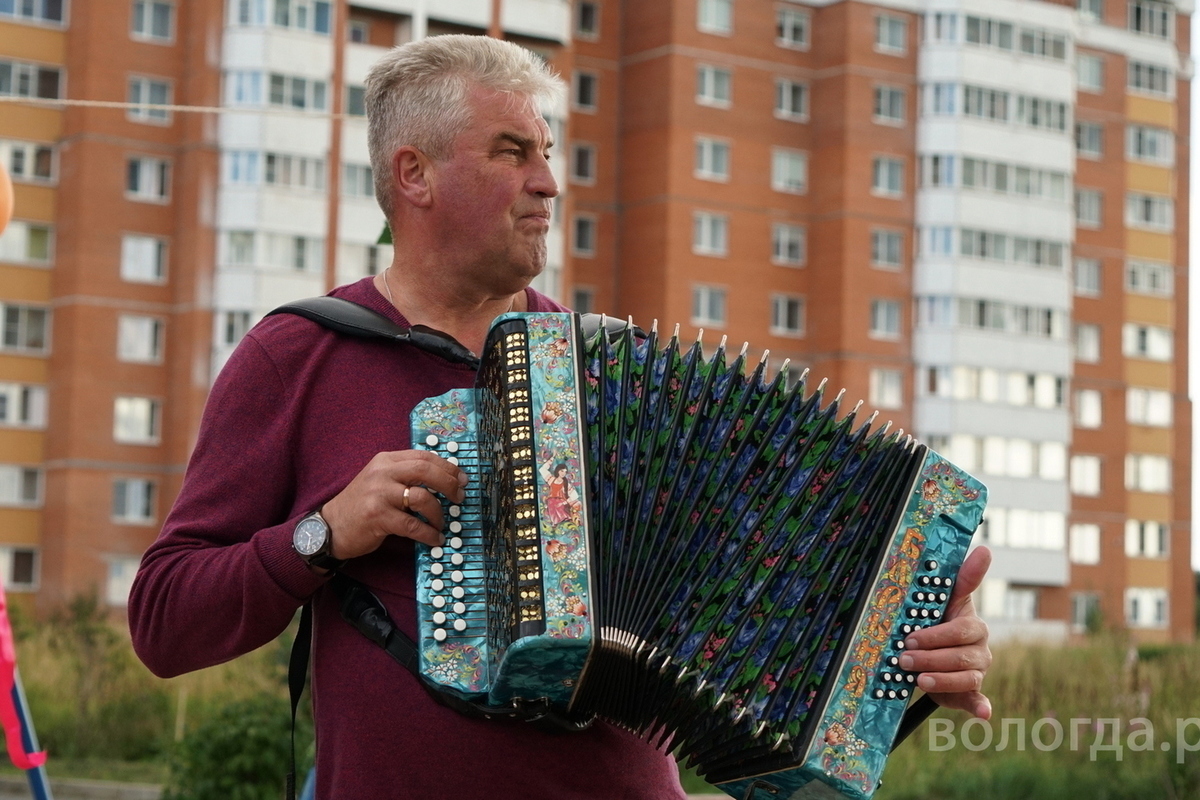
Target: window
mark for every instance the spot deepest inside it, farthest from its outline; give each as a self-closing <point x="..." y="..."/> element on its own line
<point x="937" y="240"/>
<point x="1148" y="407"/>
<point x="20" y="79"/>
<point x="136" y="420"/>
<point x="29" y="162"/>
<point x="712" y="159"/>
<point x="19" y="568"/>
<point x="27" y="243"/>
<point x="239" y="247"/>
<point x="244" y="88"/>
<point x="891" y="34"/>
<point x="889" y="104"/>
<point x="989" y="32"/>
<point x="1084" y="545"/>
<point x="584" y="239"/>
<point x="1088" y="408"/>
<point x="789" y="245"/>
<point x="20" y="486"/>
<point x="886" y="388"/>
<point x="234" y="326"/>
<point x="139" y="338"/>
<point x="119" y="581"/>
<point x="583" y="300"/>
<point x="358" y="31"/>
<point x="26" y="329"/>
<point x="1152" y="145"/>
<point x="33" y="10"/>
<point x="290" y="91"/>
<point x="791" y="99"/>
<point x="708" y="305"/>
<point x="356" y="101"/>
<point x="1087" y="277"/>
<point x="1147" y="341"/>
<point x="1087" y="343"/>
<point x="1038" y="42"/>
<point x="1150" y="277"/>
<point x="1089" y="139"/>
<point x="710" y="234"/>
<point x="1149" y="211"/>
<point x="941" y="98"/>
<point x="1085" y="475"/>
<point x="1087" y="208"/>
<point x="714" y="86"/>
<point x="133" y="500"/>
<point x="148" y="93"/>
<point x="1086" y="616"/>
<point x="1038" y="112"/>
<point x="984" y="103"/>
<point x="1091" y="8"/>
<point x="787" y="315"/>
<point x="1146" y="608"/>
<point x="887" y="176"/>
<point x="147" y="179"/>
<point x="303" y="15"/>
<point x="944" y="27"/>
<point x="585" y="91"/>
<point x="242" y="166"/>
<point x="22" y="405"/>
<point x="791" y="27"/>
<point x="294" y="171"/>
<point x="714" y="16"/>
<point x="1143" y="77"/>
<point x="886" y="248"/>
<point x="153" y="20"/>
<point x="587" y="20"/>
<point x="583" y="163"/>
<point x="1147" y="473"/>
<point x="1150" y="17"/>
<point x="357" y="180"/>
<point x="1146" y="539"/>
<point x="1020" y="605"/>
<point x="1089" y="71"/>
<point x="143" y="258"/>
<point x="789" y="170"/>
<point x="939" y="170"/>
<point x="885" y="319"/>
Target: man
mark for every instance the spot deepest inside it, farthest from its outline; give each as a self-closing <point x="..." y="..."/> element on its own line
<point x="303" y="420"/>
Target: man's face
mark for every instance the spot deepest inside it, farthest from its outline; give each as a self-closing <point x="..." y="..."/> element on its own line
<point x="492" y="195"/>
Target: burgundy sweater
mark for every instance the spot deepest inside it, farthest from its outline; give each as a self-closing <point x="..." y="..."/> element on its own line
<point x="294" y="415"/>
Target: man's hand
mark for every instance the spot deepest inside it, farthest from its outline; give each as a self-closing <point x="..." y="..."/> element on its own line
<point x="954" y="655"/>
<point x="374" y="506"/>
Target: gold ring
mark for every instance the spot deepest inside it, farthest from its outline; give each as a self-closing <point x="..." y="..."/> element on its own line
<point x="407" y="507"/>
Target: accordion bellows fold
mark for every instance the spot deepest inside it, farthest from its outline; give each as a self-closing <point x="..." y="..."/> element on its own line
<point x="689" y="547"/>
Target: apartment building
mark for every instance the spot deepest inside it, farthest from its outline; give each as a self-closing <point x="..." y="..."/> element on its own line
<point x="970" y="214"/>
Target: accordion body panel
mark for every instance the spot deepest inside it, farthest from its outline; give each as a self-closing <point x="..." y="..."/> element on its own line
<point x="523" y="575"/>
<point x="711" y="559"/>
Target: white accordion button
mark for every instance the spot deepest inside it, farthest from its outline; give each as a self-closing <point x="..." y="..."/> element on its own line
<point x="436" y="552"/>
<point x="439" y="602"/>
<point x="455" y="543"/>
<point x="453" y="460"/>
<point x="455" y="527"/>
<point x="455" y="511"/>
<point x="455" y="576"/>
<point x="457" y="593"/>
<point x="439" y="618"/>
<point x="437" y="585"/>
<point x="460" y="608"/>
<point x="440" y="634"/>
<point x="460" y="625"/>
<point x="456" y="559"/>
<point x="451" y="447"/>
<point x="431" y="440"/>
<point x="436" y="569"/>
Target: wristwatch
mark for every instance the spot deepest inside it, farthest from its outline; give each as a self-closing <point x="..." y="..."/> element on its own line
<point x="313" y="541"/>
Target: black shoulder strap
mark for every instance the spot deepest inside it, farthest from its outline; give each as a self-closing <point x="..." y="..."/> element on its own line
<point x="353" y="319"/>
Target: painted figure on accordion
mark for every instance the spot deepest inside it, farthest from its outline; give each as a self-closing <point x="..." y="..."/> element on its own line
<point x="562" y="504"/>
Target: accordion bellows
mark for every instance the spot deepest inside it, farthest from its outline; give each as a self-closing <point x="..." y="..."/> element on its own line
<point x="688" y="548"/>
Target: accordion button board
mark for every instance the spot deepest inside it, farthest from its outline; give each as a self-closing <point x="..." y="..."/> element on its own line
<point x="693" y="551"/>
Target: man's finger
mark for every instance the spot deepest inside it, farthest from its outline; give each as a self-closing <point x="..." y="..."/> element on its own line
<point x="970" y="576"/>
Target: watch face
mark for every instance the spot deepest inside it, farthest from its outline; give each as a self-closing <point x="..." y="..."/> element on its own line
<point x="309" y="536"/>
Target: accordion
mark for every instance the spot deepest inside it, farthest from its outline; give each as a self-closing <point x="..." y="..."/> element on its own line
<point x="688" y="548"/>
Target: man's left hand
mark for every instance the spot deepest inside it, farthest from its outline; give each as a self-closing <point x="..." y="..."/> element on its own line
<point x="953" y="657"/>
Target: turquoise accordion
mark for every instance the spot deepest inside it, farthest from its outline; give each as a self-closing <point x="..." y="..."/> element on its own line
<point x="687" y="548"/>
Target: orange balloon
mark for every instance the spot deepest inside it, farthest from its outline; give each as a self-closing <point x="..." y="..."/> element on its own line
<point x="6" y="198"/>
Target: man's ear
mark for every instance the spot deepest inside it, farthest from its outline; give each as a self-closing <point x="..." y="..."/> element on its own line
<point x="410" y="169"/>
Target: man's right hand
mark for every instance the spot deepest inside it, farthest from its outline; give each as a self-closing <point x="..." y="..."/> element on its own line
<point x="372" y="506"/>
